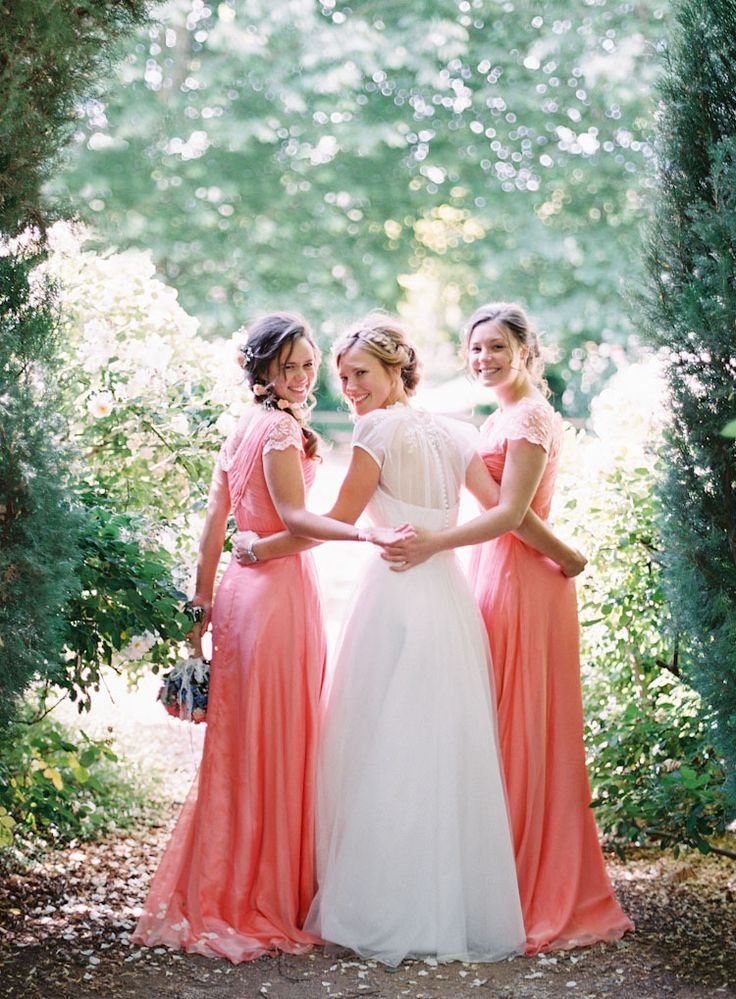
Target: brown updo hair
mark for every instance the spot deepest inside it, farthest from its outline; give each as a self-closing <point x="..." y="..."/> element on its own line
<point x="269" y="338"/>
<point x="381" y="336"/>
<point x="516" y="324"/>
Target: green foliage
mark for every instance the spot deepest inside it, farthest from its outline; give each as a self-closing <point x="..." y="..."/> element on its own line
<point x="691" y="311"/>
<point x="655" y="775"/>
<point x="38" y="526"/>
<point x="333" y="157"/>
<point x="56" y="786"/>
<point x="50" y="55"/>
<point x="127" y="604"/>
<point x="147" y="400"/>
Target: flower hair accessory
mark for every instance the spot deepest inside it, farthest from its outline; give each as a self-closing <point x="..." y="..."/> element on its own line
<point x="381" y="340"/>
<point x="267" y="397"/>
<point x="247" y="352"/>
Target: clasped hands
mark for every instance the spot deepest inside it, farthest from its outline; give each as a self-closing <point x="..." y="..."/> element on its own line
<point x="393" y="540"/>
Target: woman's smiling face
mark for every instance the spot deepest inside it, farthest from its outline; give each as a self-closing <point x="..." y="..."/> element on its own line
<point x="494" y="357"/>
<point x="294" y="372"/>
<point x="366" y="382"/>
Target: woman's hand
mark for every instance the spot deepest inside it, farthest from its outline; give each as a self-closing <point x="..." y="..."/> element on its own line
<point x="573" y="564"/>
<point x="384" y="537"/>
<point x="411" y="550"/>
<point x="242" y="540"/>
<point x="198" y="629"/>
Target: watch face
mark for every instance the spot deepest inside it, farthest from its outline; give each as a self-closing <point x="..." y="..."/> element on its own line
<point x="251" y="555"/>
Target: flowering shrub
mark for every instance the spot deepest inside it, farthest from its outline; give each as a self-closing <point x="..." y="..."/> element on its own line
<point x="128" y="608"/>
<point x="654" y="773"/>
<point x="148" y="402"/>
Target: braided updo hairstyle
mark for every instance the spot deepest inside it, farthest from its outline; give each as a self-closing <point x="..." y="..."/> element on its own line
<point x="272" y="337"/>
<point x="381" y="335"/>
<point x="516" y="324"/>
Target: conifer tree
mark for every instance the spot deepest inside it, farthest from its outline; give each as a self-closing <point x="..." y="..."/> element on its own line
<point x="50" y="57"/>
<point x="691" y="312"/>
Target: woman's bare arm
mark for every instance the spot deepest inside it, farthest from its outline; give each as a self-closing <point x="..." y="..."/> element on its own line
<point x="533" y="531"/>
<point x="210" y="544"/>
<point x="523" y="470"/>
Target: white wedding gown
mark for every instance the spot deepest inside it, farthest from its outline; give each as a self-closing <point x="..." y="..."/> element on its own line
<point x="414" y="852"/>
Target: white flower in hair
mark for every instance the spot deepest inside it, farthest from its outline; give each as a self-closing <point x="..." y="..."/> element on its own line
<point x="382" y="340"/>
<point x="283" y="404"/>
<point x="259" y="390"/>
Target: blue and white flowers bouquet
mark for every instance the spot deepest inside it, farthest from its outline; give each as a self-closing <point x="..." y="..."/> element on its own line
<point x="185" y="690"/>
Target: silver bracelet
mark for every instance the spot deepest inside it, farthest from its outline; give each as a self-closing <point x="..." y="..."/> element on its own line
<point x="250" y="555"/>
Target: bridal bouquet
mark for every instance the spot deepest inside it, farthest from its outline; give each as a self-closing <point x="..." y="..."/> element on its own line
<point x="185" y="689"/>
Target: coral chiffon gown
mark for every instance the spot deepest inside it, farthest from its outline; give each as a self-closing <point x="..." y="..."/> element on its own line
<point x="530" y="612"/>
<point x="237" y="876"/>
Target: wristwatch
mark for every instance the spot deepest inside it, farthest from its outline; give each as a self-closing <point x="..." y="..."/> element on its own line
<point x="249" y="554"/>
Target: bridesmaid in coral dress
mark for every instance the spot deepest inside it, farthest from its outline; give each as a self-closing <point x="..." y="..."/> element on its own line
<point x="237" y="877"/>
<point x="530" y="611"/>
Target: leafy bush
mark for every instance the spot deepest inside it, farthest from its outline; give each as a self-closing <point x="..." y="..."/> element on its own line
<point x="38" y="527"/>
<point x="56" y="786"/>
<point x="654" y="773"/>
<point x="128" y="606"/>
<point x="148" y="400"/>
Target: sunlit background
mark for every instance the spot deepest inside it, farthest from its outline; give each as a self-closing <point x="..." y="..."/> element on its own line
<point x="424" y="157"/>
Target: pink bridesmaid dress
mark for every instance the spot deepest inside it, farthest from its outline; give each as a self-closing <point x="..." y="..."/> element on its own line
<point x="237" y="877"/>
<point x="530" y="611"/>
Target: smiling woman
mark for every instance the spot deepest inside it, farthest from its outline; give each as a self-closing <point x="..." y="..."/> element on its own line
<point x="238" y="875"/>
<point x="375" y="370"/>
<point x="530" y="614"/>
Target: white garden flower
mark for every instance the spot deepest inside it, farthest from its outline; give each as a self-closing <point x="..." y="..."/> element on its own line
<point x="101" y="405"/>
<point x="225" y="424"/>
<point x="96" y="329"/>
<point x="180" y="423"/>
<point x="65" y="238"/>
<point x="138" y="646"/>
<point x="138" y="384"/>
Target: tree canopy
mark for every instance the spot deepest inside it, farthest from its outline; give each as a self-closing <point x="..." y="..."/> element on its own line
<point x="333" y="157"/>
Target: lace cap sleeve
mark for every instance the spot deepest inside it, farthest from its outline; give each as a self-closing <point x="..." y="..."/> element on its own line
<point x="369" y="435"/>
<point x="284" y="433"/>
<point x="535" y="422"/>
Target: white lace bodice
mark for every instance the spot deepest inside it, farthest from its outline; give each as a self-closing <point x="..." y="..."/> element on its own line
<point x="423" y="460"/>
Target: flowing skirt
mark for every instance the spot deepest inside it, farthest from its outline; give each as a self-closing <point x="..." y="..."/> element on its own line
<point x="530" y="612"/>
<point x="237" y="876"/>
<point x="414" y="852"/>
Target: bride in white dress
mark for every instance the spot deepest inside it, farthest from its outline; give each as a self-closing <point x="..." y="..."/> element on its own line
<point x="414" y="852"/>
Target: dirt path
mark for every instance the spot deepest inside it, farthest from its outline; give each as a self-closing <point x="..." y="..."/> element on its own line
<point x="66" y="920"/>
